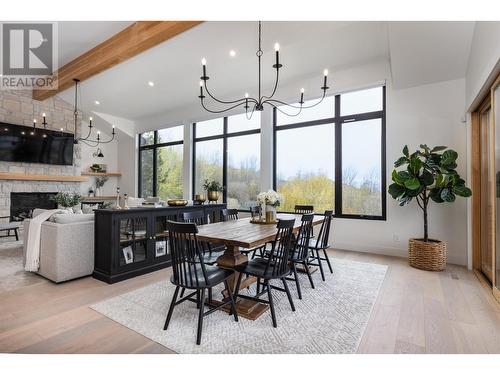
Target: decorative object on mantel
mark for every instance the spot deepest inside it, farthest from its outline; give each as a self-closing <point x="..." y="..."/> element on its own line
<point x="99" y="183"/>
<point x="87" y="140"/>
<point x="269" y="201"/>
<point x="429" y="174"/>
<point x="257" y="103"/>
<point x="213" y="188"/>
<point x="91" y="192"/>
<point x="98" y="168"/>
<point x="66" y="200"/>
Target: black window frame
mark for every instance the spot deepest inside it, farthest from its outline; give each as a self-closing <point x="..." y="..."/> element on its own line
<point x="337" y="121"/>
<point x="224" y="136"/>
<point x="155" y="146"/>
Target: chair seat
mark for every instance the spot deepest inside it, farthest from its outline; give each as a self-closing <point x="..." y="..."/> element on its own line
<point x="215" y="276"/>
<point x="9" y="226"/>
<point x="257" y="267"/>
<point x="211" y="258"/>
<point x="313" y="244"/>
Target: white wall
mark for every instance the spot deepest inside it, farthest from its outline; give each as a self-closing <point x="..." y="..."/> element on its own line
<point x="110" y="152"/>
<point x="484" y="60"/>
<point x="428" y="114"/>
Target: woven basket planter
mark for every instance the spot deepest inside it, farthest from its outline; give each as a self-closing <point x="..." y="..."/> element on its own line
<point x="428" y="256"/>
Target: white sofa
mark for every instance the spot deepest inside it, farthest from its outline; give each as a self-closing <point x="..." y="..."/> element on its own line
<point x="66" y="247"/>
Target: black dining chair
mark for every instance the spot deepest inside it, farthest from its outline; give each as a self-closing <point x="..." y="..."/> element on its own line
<point x="211" y="253"/>
<point x="300" y="251"/>
<point x="303" y="209"/>
<point x="255" y="211"/>
<point x="229" y="214"/>
<point x="321" y="245"/>
<point x="275" y="267"/>
<point x="190" y="272"/>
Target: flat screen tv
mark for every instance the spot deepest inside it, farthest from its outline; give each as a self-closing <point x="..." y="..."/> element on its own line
<point x="25" y="144"/>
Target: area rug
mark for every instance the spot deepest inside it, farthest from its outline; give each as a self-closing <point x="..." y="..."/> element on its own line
<point x="12" y="274"/>
<point x="329" y="319"/>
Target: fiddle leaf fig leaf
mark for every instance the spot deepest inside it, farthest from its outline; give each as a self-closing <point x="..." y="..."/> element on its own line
<point x="447" y="195"/>
<point x="439" y="148"/>
<point x="401" y="161"/>
<point x="427" y="178"/>
<point x="412" y="183"/>
<point x="406" y="152"/>
<point x="449" y="157"/>
<point x="462" y="191"/>
<point x="396" y="191"/>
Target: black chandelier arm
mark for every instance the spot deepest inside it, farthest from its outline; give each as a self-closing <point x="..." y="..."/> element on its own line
<point x="223" y="110"/>
<point x="264" y="97"/>
<point x="285" y="113"/>
<point x="224" y="101"/>
<point x="251" y="113"/>
<point x="88" y="135"/>
<point x="271" y="101"/>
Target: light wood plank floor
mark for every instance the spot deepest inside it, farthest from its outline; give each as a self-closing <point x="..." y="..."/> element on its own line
<point x="415" y="312"/>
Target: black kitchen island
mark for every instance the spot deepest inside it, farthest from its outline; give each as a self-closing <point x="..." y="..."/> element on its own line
<point x="132" y="242"/>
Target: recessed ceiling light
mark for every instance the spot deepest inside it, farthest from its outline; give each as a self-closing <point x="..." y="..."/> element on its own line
<point x="232" y="53"/>
<point x="151" y="83"/>
<point x="97" y="102"/>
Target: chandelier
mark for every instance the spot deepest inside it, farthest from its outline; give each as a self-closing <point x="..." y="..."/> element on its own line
<point x="88" y="140"/>
<point x="252" y="104"/>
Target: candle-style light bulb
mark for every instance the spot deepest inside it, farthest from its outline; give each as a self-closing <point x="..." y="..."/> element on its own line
<point x="201" y="90"/>
<point x="204" y="65"/>
<point x="34" y="122"/>
<point x="246" y="95"/>
<point x="90" y="122"/>
<point x="113" y="132"/>
<point x="325" y="73"/>
<point x="302" y="90"/>
<point x="301" y="96"/>
<point x="277" y="49"/>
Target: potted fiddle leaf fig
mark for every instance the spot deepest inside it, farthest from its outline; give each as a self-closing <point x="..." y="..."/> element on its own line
<point x="428" y="174"/>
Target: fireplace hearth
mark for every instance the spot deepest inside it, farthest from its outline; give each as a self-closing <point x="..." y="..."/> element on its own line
<point x="23" y="204"/>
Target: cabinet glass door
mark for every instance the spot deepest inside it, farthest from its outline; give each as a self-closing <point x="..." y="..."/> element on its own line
<point x="134" y="238"/>
<point x="161" y="246"/>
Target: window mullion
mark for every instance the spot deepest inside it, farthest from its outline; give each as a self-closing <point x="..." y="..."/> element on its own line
<point x="224" y="161"/>
<point x="338" y="158"/>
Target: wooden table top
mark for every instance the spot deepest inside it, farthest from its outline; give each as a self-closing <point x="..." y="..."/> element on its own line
<point x="244" y="234"/>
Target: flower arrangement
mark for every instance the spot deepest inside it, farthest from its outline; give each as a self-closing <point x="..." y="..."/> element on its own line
<point x="270" y="198"/>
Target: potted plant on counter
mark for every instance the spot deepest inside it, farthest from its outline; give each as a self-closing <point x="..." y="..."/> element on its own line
<point x="66" y="200"/>
<point x="213" y="189"/>
<point x="429" y="174"/>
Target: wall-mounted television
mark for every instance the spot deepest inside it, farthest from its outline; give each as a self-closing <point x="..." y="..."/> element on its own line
<point x="25" y="144"/>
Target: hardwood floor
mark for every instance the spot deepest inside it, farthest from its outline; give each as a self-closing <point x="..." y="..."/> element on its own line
<point x="415" y="312"/>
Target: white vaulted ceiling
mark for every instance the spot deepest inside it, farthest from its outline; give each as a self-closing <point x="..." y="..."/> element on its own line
<point x="418" y="53"/>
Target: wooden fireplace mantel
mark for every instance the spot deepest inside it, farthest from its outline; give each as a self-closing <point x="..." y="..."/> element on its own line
<point x="41" y="177"/>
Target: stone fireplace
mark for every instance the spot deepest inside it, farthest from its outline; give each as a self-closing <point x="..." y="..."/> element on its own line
<point x="18" y="107"/>
<point x="23" y="204"/>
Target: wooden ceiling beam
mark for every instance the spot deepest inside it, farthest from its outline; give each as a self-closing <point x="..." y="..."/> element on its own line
<point x="137" y="38"/>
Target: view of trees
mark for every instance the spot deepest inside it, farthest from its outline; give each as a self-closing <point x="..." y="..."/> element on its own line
<point x="169" y="173"/>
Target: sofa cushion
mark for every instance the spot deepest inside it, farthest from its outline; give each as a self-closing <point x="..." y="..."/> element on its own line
<point x="72" y="218"/>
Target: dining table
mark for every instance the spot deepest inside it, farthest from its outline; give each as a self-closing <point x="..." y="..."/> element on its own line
<point x="242" y="233"/>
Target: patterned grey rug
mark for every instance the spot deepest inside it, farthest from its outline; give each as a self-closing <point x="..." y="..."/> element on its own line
<point x="329" y="319"/>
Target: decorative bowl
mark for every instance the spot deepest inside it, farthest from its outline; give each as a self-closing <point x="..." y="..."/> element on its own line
<point x="177" y="202"/>
<point x="201" y="198"/>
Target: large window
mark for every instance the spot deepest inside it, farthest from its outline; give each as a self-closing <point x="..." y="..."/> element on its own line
<point x="333" y="156"/>
<point x="160" y="163"/>
<point x="228" y="150"/>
